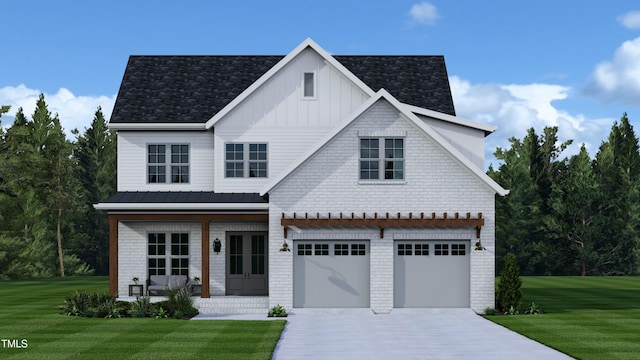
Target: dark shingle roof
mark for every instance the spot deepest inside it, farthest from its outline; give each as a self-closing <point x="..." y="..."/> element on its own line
<point x="194" y="197"/>
<point x="191" y="89"/>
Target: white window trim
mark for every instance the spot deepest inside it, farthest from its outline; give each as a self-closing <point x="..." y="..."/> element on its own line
<point x="245" y="160"/>
<point x="315" y="86"/>
<point x="167" y="164"/>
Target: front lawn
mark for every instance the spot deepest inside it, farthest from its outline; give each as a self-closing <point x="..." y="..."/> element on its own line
<point x="29" y="311"/>
<point x="585" y="317"/>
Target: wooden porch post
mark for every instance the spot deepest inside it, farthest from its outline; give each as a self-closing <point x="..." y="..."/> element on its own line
<point x="205" y="258"/>
<point x="113" y="255"/>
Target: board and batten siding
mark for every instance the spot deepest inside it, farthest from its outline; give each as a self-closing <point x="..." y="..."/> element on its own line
<point x="279" y="115"/>
<point x="132" y="159"/>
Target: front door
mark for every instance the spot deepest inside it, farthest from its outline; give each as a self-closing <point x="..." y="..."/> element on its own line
<point x="247" y="264"/>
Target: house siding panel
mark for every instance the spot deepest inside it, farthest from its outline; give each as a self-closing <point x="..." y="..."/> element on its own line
<point x="470" y="142"/>
<point x="278" y="115"/>
<point x="435" y="182"/>
<point x="132" y="160"/>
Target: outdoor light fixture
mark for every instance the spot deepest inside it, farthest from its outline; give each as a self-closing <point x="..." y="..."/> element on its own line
<point x="285" y="247"/>
<point x="479" y="246"/>
<point x="217" y="245"/>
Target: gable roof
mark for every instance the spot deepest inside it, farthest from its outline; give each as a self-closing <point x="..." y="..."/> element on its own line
<point x="167" y="90"/>
<point x="404" y="111"/>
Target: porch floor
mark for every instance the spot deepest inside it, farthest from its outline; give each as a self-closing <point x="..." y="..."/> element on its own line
<point x="222" y="304"/>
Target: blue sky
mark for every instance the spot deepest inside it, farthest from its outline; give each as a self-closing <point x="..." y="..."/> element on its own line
<point x="513" y="64"/>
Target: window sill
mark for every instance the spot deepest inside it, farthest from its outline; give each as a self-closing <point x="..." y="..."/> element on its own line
<point x="382" y="182"/>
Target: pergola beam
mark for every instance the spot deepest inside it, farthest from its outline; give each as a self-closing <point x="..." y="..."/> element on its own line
<point x="383" y="222"/>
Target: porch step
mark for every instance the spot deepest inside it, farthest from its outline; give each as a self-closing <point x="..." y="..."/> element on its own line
<point x="233" y="305"/>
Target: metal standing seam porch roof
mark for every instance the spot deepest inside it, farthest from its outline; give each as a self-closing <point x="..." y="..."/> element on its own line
<point x="199" y="199"/>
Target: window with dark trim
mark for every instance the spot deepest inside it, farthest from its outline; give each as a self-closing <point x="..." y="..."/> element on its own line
<point x="165" y="259"/>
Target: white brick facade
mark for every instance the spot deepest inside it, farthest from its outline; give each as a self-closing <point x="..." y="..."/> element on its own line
<point x="434" y="182"/>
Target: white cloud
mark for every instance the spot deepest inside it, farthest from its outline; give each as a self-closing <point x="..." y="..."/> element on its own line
<point x="515" y="108"/>
<point x="630" y="20"/>
<point x="618" y="80"/>
<point x="423" y="13"/>
<point x="74" y="112"/>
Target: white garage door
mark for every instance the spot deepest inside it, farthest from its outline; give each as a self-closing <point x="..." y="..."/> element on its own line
<point x="331" y="274"/>
<point x="431" y="273"/>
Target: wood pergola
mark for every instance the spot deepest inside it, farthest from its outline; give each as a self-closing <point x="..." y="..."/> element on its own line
<point x="382" y="222"/>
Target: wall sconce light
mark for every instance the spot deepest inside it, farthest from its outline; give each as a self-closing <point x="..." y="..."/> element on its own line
<point x="479" y="246"/>
<point x="217" y="245"/>
<point x="285" y="247"/>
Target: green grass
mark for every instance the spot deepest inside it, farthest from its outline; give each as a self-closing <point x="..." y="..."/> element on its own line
<point x="29" y="310"/>
<point x="585" y="317"/>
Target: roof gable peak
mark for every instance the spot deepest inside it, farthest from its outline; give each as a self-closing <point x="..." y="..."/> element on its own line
<point x="308" y="43"/>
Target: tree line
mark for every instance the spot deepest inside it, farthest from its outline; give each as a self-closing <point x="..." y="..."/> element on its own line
<point x="570" y="216"/>
<point x="48" y="184"/>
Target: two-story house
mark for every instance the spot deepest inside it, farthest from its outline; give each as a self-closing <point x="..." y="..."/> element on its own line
<point x="306" y="180"/>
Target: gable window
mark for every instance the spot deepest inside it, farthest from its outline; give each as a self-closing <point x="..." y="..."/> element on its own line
<point x="157" y="164"/>
<point x="238" y="165"/>
<point x="168" y="260"/>
<point x="381" y="159"/>
<point x="309" y="85"/>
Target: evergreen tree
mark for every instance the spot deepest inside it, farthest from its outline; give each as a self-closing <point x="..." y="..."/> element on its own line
<point x="508" y="292"/>
<point x="96" y="156"/>
<point x="617" y="168"/>
<point x="570" y="221"/>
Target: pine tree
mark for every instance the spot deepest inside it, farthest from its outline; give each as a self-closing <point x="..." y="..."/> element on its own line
<point x="96" y="155"/>
<point x="570" y="221"/>
<point x="617" y="168"/>
<point x="508" y="292"/>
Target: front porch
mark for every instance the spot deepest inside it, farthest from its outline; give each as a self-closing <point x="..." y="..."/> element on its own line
<point x="222" y="304"/>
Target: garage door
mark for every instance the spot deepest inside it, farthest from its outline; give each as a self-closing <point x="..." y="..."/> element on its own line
<point x="331" y="274"/>
<point x="431" y="274"/>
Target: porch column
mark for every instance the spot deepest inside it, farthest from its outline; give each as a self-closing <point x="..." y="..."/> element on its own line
<point x="113" y="255"/>
<point x="206" y="250"/>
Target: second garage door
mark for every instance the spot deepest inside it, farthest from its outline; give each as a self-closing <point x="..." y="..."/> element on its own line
<point x="331" y="274"/>
<point x="431" y="273"/>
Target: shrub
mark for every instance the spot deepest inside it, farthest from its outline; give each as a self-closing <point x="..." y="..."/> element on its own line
<point x="512" y="311"/>
<point x="180" y="304"/>
<point x="277" y="311"/>
<point x="86" y="304"/>
<point x="508" y="294"/>
<point x="490" y="311"/>
<point x="533" y="309"/>
<point x="142" y="307"/>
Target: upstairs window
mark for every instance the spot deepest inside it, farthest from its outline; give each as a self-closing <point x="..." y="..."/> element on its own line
<point x="309" y="85"/>
<point x="157" y="167"/>
<point x="157" y="164"/>
<point x="381" y="159"/>
<point x="246" y="160"/>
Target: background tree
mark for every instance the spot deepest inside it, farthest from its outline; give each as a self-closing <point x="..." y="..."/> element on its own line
<point x="570" y="221"/>
<point x="96" y="170"/>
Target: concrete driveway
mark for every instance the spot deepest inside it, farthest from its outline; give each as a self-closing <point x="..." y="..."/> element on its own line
<point x="402" y="334"/>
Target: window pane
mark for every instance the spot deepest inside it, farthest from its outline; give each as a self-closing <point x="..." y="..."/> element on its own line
<point x="308" y="85"/>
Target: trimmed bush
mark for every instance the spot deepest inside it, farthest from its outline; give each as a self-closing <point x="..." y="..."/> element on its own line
<point x="508" y="294"/>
